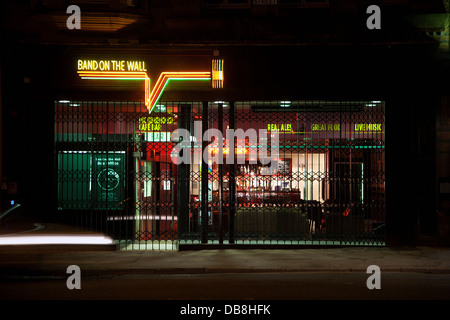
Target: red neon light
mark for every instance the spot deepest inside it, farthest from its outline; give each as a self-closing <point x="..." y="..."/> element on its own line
<point x="151" y="96"/>
<point x="166" y="76"/>
<point x="217" y="73"/>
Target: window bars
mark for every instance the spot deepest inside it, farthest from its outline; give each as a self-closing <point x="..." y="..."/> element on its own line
<point x="119" y="172"/>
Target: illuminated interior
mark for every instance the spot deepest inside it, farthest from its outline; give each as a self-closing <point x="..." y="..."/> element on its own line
<point x="330" y="170"/>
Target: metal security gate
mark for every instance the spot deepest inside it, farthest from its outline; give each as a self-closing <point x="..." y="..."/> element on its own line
<point x="295" y="172"/>
<point x="329" y="186"/>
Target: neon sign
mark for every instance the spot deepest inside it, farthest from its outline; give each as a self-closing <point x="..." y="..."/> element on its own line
<point x="367" y="126"/>
<point x="136" y="70"/>
<point x="286" y="127"/>
<point x="111" y="65"/>
<point x="154" y="123"/>
<point x="358" y="127"/>
<point x="325" y="127"/>
<point x="164" y="79"/>
<point x="217" y="73"/>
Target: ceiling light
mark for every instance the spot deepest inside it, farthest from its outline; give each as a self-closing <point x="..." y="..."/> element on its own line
<point x="285" y="104"/>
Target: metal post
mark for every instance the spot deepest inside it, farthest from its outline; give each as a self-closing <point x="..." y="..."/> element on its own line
<point x="204" y="175"/>
<point x="231" y="180"/>
<point x="137" y="157"/>
<point x="157" y="198"/>
<point x="220" y="125"/>
<point x="183" y="172"/>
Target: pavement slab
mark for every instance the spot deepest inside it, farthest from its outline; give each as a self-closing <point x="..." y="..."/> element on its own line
<point x="42" y="262"/>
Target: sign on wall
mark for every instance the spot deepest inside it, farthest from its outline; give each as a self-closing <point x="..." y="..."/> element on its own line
<point x="106" y="69"/>
<point x="108" y="185"/>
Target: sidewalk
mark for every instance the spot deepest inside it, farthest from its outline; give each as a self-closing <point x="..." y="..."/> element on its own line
<point x="51" y="260"/>
<point x="351" y="259"/>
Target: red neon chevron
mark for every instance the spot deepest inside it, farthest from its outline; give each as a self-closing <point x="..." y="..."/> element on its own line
<point x="151" y="97"/>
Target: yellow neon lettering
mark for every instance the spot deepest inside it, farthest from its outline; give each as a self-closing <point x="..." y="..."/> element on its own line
<point x="153" y="123"/>
<point x="318" y="127"/>
<point x="325" y="127"/>
<point x="367" y="126"/>
<point x="131" y="66"/>
<point x="92" y="65"/>
<point x="107" y="65"/>
<point x="136" y="66"/>
<point x="276" y="127"/>
<point x="104" y="65"/>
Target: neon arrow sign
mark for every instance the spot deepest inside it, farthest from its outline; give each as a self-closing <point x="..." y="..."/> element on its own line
<point x="94" y="70"/>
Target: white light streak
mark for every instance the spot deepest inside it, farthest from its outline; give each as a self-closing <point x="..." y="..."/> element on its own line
<point x="54" y="239"/>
